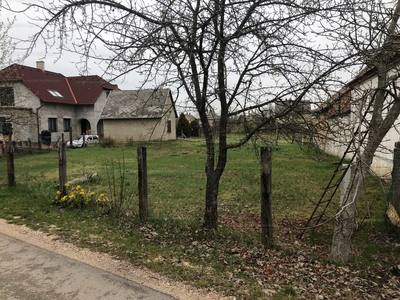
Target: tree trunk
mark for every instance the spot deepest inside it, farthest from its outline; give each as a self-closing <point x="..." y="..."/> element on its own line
<point x="62" y="166"/>
<point x="211" y="211"/>
<point x="379" y="125"/>
<point x="213" y="175"/>
<point x="10" y="163"/>
<point x="142" y="182"/>
<point x="266" y="199"/>
<point x="345" y="220"/>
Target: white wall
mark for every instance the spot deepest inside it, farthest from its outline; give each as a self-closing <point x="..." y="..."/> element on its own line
<point x="58" y="111"/>
<point x="92" y="113"/>
<point x="138" y="130"/>
<point x="383" y="160"/>
<point x="338" y="137"/>
<point x="23" y="114"/>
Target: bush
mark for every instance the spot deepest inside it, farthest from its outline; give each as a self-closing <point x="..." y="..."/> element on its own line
<point x="77" y="197"/>
<point x="107" y="142"/>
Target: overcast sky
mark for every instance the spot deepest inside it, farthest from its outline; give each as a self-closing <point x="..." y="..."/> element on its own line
<point x="66" y="64"/>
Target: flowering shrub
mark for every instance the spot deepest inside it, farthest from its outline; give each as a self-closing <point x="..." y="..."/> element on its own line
<point x="102" y="200"/>
<point x="77" y="197"/>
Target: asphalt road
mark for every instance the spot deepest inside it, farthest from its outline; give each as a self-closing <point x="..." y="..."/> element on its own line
<point x="30" y="272"/>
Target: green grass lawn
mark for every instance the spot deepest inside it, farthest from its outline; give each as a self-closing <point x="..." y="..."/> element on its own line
<point x="176" y="193"/>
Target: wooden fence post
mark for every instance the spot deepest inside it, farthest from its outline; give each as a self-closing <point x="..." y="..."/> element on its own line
<point x="9" y="151"/>
<point x="70" y="137"/>
<point x="395" y="200"/>
<point x="62" y="165"/>
<point x="142" y="181"/>
<point x="10" y="163"/>
<point x="266" y="200"/>
<point x="392" y="215"/>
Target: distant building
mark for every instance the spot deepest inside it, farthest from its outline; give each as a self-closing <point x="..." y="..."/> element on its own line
<point x="40" y="105"/>
<point x="34" y="100"/>
<point x="139" y="115"/>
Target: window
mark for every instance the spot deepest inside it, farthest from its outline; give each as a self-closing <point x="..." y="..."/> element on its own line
<point x="2" y="121"/>
<point x="55" y="93"/>
<point x="67" y="125"/>
<point x="53" y="124"/>
<point x="6" y="96"/>
<point x="169" y="129"/>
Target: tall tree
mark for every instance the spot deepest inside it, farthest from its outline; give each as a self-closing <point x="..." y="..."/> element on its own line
<point x="183" y="126"/>
<point x="194" y="128"/>
<point x="7" y="46"/>
<point x="375" y="34"/>
<point x="227" y="56"/>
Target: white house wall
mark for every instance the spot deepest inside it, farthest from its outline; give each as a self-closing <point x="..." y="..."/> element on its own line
<point x="23" y="114"/>
<point x="99" y="104"/>
<point x="334" y="143"/>
<point x="22" y="124"/>
<point x="60" y="112"/>
<point x="23" y="97"/>
<point x="92" y="112"/>
<point x="138" y="130"/>
<point x="383" y="160"/>
<point x="170" y="116"/>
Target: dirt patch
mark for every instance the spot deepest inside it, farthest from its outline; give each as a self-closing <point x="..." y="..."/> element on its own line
<point x="109" y="263"/>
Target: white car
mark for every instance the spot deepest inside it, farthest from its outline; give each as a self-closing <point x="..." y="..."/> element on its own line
<point x="90" y="139"/>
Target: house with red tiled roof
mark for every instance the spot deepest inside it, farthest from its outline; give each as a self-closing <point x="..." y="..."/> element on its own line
<point x="36" y="101"/>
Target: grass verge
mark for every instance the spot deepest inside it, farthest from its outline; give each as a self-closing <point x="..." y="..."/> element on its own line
<point x="172" y="240"/>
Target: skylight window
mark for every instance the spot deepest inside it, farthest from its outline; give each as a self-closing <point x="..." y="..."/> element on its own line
<point x="55" y="93"/>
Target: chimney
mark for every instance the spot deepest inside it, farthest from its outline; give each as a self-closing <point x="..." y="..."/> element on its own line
<point x="40" y="65"/>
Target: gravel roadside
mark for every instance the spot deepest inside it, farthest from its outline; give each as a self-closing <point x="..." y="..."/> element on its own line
<point x="111" y="264"/>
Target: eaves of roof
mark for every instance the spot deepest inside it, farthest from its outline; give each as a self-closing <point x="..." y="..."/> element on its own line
<point x="337" y="105"/>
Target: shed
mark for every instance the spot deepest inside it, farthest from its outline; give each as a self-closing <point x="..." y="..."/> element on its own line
<point x="139" y="115"/>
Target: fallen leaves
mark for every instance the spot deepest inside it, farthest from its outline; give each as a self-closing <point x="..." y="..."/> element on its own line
<point x="237" y="267"/>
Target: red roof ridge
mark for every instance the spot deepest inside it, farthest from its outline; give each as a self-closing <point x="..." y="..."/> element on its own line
<point x="72" y="92"/>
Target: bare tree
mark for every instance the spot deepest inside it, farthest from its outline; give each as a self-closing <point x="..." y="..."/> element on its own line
<point x="7" y="46"/>
<point x="230" y="57"/>
<point x="373" y="99"/>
